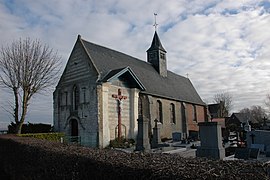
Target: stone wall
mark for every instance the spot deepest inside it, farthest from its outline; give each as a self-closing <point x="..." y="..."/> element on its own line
<point x="200" y="117"/>
<point x="167" y="127"/>
<point x="81" y="73"/>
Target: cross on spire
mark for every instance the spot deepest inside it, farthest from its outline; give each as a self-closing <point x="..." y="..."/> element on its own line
<point x="155" y="14"/>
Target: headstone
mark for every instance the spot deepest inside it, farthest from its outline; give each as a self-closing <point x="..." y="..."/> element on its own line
<point x="176" y="136"/>
<point x="258" y="146"/>
<point x="156" y="135"/>
<point x="267" y="152"/>
<point x="258" y="137"/>
<point x="142" y="137"/>
<point x="247" y="127"/>
<point x="254" y="153"/>
<point x="211" y="141"/>
<point x="242" y="153"/>
<point x="252" y="136"/>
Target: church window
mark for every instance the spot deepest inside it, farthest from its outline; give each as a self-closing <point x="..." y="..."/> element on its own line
<point x="76" y="98"/>
<point x="162" y="55"/>
<point x="172" y="113"/>
<point x="159" y="111"/>
<point x="194" y="112"/>
<point x="84" y="94"/>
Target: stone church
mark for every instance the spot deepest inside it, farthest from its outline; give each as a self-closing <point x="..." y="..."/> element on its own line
<point x="102" y="93"/>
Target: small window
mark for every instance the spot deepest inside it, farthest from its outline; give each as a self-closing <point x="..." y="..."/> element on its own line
<point x="76" y="98"/>
<point x="84" y="94"/>
<point x="159" y="111"/>
<point x="162" y="55"/>
<point x="172" y="113"/>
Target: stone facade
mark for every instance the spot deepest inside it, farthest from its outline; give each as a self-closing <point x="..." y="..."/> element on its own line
<point x="108" y="117"/>
<point x="80" y="74"/>
<point x="185" y="120"/>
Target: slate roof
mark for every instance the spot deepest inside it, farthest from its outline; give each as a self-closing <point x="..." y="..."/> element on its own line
<point x="156" y="43"/>
<point x="173" y="86"/>
<point x="243" y="117"/>
<point x="213" y="108"/>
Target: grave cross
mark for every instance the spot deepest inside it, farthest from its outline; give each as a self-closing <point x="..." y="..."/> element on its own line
<point x="252" y="138"/>
<point x="264" y="121"/>
<point x="155" y="14"/>
<point x="119" y="98"/>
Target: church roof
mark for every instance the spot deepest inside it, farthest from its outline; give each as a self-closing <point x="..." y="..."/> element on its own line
<point x="244" y="117"/>
<point x="131" y="76"/>
<point x="110" y="62"/>
<point x="156" y="43"/>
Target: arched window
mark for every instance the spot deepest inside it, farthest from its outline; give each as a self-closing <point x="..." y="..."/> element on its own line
<point x="172" y="113"/>
<point x="159" y="111"/>
<point x="76" y="98"/>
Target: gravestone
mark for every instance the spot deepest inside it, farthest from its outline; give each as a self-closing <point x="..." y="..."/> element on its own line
<point x="254" y="153"/>
<point x="247" y="127"/>
<point x="258" y="137"/>
<point x="267" y="152"/>
<point x="176" y="136"/>
<point x="258" y="146"/>
<point x="242" y="153"/>
<point x="156" y="141"/>
<point x="142" y="137"/>
<point x="211" y="141"/>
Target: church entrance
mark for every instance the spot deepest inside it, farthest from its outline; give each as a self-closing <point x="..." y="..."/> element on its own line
<point x="74" y="127"/>
<point x="74" y="132"/>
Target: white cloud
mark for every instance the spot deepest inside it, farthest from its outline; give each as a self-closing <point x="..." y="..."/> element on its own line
<point x="222" y="45"/>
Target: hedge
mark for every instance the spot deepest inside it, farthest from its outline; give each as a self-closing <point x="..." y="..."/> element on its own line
<point x="45" y="136"/>
<point x="30" y="158"/>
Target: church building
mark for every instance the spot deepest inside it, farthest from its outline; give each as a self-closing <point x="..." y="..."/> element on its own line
<point x="102" y="93"/>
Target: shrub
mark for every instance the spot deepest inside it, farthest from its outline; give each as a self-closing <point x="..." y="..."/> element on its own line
<point x="46" y="136"/>
<point x="122" y="143"/>
<point x="31" y="128"/>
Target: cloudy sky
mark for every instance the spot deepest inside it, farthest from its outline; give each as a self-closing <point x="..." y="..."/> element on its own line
<point x="223" y="45"/>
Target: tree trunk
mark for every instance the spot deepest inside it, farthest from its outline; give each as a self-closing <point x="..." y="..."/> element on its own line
<point x="16" y="108"/>
<point x="18" y="129"/>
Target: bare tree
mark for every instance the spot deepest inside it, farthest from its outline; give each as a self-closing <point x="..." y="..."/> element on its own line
<point x="267" y="102"/>
<point x="257" y="112"/>
<point x="26" y="68"/>
<point x="226" y="99"/>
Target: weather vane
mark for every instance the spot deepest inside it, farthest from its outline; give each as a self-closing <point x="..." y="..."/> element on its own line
<point x="155" y="14"/>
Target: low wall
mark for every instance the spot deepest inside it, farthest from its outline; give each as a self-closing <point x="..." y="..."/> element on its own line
<point x="29" y="158"/>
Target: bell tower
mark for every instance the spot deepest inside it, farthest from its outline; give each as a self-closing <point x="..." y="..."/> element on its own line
<point x="156" y="54"/>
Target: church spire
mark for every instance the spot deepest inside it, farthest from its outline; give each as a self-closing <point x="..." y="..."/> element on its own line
<point x="156" y="43"/>
<point x="156" y="54"/>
